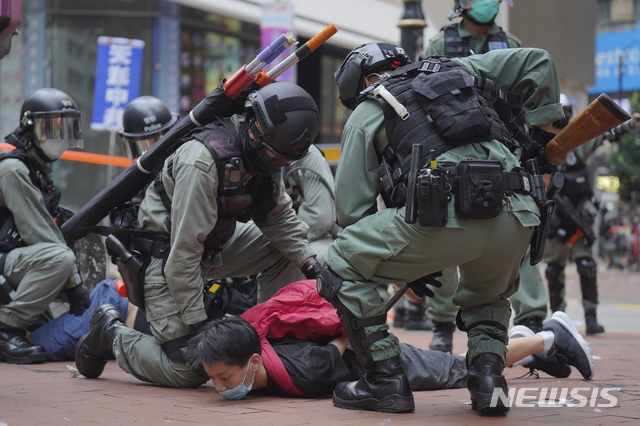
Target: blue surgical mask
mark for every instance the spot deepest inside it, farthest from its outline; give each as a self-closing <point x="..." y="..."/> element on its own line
<point x="483" y="12"/>
<point x="241" y="390"/>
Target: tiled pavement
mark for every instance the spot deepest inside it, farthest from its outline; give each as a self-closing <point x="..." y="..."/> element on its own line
<point x="47" y="394"/>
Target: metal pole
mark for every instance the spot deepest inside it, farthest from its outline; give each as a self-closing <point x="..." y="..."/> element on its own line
<point x="620" y="72"/>
<point x="412" y="26"/>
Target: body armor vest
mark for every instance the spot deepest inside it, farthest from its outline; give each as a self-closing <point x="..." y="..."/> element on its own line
<point x="447" y="107"/>
<point x="9" y="236"/>
<point x="236" y="202"/>
<point x="576" y="177"/>
<point x="456" y="46"/>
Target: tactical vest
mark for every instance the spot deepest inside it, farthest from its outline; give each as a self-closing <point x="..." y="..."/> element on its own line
<point x="576" y="179"/>
<point x="447" y="107"/>
<point x="456" y="46"/>
<point x="235" y="203"/>
<point x="9" y="236"/>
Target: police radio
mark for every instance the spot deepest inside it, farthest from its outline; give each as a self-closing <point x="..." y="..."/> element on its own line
<point x="232" y="179"/>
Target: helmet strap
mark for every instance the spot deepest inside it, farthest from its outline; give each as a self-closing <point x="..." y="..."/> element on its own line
<point x="18" y="138"/>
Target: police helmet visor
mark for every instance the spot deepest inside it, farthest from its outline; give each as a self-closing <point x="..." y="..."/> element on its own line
<point x="136" y="146"/>
<point x="64" y="126"/>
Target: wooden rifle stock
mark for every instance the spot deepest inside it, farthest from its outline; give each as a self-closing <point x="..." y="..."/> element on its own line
<point x="599" y="117"/>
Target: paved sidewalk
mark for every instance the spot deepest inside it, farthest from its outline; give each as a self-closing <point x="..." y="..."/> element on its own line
<point x="47" y="394"/>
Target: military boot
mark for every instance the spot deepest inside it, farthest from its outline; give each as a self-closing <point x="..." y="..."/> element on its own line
<point x="592" y="322"/>
<point x="385" y="388"/>
<point x="417" y="318"/>
<point x="485" y="377"/>
<point x="442" y="336"/>
<point x="16" y="349"/>
<point x="95" y="348"/>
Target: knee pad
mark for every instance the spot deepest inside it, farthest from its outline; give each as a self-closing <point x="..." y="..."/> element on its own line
<point x="328" y="283"/>
<point x="586" y="267"/>
<point x="553" y="272"/>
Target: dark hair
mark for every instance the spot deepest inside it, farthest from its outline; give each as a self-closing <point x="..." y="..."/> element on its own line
<point x="230" y="340"/>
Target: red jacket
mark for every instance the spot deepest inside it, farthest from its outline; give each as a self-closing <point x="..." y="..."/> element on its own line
<point x="295" y="311"/>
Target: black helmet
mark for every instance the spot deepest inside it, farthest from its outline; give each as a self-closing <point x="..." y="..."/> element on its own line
<point x="364" y="60"/>
<point x="50" y="118"/>
<point x="144" y="121"/>
<point x="284" y="121"/>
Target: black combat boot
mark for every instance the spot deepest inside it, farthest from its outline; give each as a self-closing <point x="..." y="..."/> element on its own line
<point x="485" y="377"/>
<point x="95" y="348"/>
<point x="533" y="323"/>
<point x="16" y="349"/>
<point x="591" y="321"/>
<point x="385" y="388"/>
<point x="416" y="317"/>
<point x="442" y="336"/>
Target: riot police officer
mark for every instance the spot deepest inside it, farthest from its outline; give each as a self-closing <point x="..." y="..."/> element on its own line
<point x="478" y="33"/>
<point x="475" y="33"/>
<point x="311" y="185"/>
<point x="571" y="235"/>
<point x="144" y="120"/>
<point x="382" y="247"/>
<point x="229" y="171"/>
<point x="36" y="264"/>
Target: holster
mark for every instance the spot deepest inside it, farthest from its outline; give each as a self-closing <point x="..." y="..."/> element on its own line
<point x="539" y="238"/>
<point x="131" y="267"/>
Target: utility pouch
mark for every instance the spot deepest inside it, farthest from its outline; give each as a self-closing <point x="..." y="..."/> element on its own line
<point x="479" y="189"/>
<point x="131" y="267"/>
<point x="9" y="236"/>
<point x="433" y="197"/>
<point x="452" y="104"/>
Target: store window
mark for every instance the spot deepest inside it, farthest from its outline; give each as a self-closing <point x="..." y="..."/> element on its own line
<point x="212" y="47"/>
<point x="604" y="11"/>
<point x="73" y="29"/>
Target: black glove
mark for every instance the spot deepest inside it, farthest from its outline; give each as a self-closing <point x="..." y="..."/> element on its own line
<point x="79" y="300"/>
<point x="420" y="288"/>
<point x="311" y="268"/>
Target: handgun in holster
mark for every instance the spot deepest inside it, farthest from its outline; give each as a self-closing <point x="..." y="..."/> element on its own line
<point x="547" y="211"/>
<point x="131" y="267"/>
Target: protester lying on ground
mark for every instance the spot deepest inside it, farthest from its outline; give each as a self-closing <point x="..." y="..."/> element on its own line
<point x="59" y="336"/>
<point x="294" y="344"/>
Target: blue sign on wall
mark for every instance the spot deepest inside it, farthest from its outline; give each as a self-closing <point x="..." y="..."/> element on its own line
<point x="118" y="76"/>
<point x="615" y="52"/>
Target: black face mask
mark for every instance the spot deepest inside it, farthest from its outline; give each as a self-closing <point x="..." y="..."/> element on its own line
<point x="254" y="164"/>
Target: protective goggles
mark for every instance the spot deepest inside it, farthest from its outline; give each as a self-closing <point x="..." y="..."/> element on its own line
<point x="58" y="125"/>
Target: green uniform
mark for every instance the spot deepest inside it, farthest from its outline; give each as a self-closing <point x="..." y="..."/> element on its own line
<point x="381" y="248"/>
<point x="318" y="208"/>
<point x="531" y="298"/>
<point x="436" y="43"/>
<point x="39" y="271"/>
<point x="174" y="297"/>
